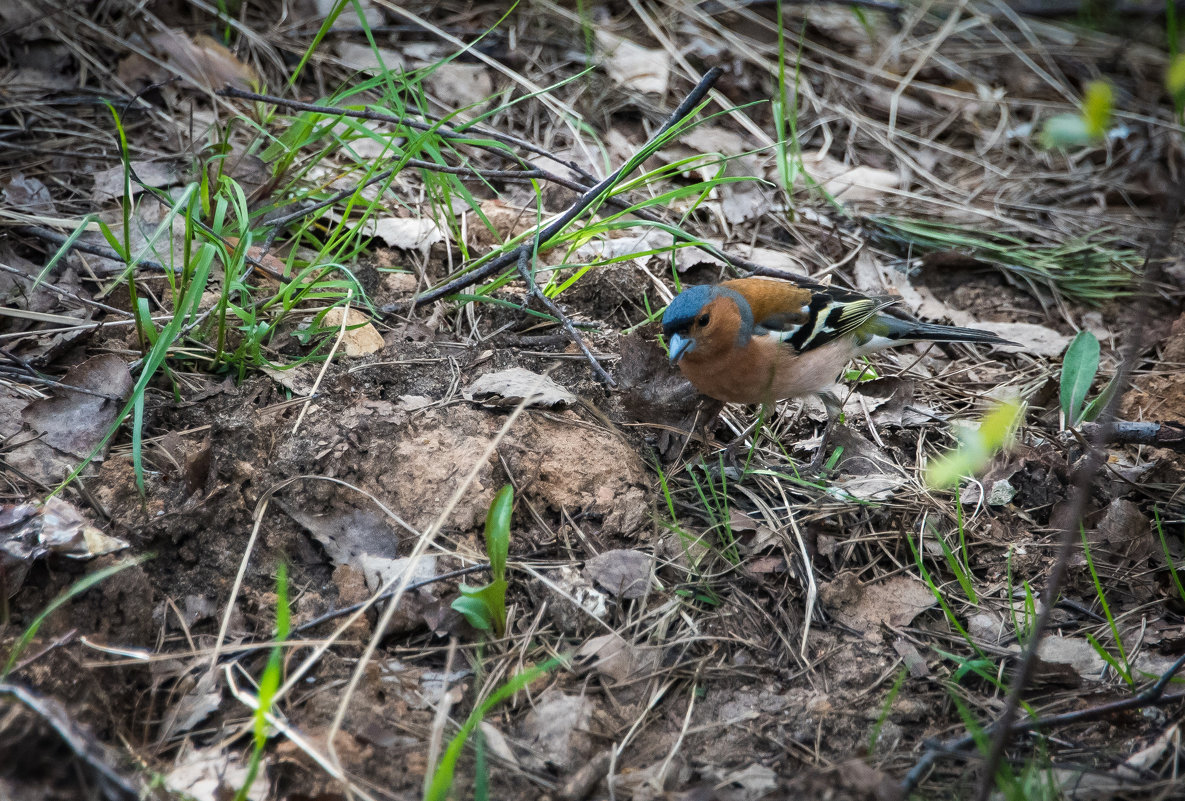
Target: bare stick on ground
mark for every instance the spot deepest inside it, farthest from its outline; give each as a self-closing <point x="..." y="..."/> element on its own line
<point x="1084" y="480"/>
<point x="594" y="193"/>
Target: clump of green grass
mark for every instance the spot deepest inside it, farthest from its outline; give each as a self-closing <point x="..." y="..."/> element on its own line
<point x="1081" y="270"/>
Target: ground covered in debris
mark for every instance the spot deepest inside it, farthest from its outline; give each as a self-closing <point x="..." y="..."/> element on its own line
<point x="248" y="456"/>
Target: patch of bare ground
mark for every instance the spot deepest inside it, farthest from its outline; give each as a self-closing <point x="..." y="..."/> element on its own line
<point x="726" y="626"/>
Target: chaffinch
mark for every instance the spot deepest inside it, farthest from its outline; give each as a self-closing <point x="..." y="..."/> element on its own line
<point x="758" y="340"/>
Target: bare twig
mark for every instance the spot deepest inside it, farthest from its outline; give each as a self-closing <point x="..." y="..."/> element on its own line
<point x="1167" y="434"/>
<point x="1153" y="696"/>
<point x="524" y="259"/>
<point x="83" y="743"/>
<point x="86" y="247"/>
<point x="504" y="260"/>
<point x="1083" y="481"/>
<point x="456" y="134"/>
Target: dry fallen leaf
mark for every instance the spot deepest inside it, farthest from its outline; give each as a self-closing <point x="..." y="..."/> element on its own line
<point x="850" y="183"/>
<point x="865" y="607"/>
<point x="201" y="701"/>
<point x="361" y="538"/>
<point x="459" y="85"/>
<point x="507" y="388"/>
<point x="212" y="774"/>
<point x="407" y="233"/>
<point x="557" y="726"/>
<point x="71" y="424"/>
<point x="364" y="57"/>
<point x="28" y="194"/>
<point x="624" y="573"/>
<point x="361" y="338"/>
<point x="1038" y="340"/>
<point x="204" y="60"/>
<point x="298" y="380"/>
<point x="747" y="784"/>
<point x="617" y="658"/>
<point x="109" y="182"/>
<point x="29" y="532"/>
<point x="632" y="66"/>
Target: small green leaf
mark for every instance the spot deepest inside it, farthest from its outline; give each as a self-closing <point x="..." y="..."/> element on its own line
<point x="1096" y="406"/>
<point x="866" y="372"/>
<point x="976" y="446"/>
<point x="475" y="611"/>
<point x="498" y="531"/>
<point x="1078" y="371"/>
<point x="1096" y="108"/>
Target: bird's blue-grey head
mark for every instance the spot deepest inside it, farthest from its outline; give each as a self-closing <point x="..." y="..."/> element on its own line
<point x="680" y="316"/>
<point x="688" y="310"/>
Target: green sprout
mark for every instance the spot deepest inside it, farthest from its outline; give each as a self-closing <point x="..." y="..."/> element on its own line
<point x="485" y="607"/>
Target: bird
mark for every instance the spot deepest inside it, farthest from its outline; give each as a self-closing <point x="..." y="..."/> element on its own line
<point x="762" y="340"/>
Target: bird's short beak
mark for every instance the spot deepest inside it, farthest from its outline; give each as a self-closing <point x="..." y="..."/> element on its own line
<point x="680" y="345"/>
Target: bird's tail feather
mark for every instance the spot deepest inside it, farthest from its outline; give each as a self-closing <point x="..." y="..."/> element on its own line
<point x="885" y="331"/>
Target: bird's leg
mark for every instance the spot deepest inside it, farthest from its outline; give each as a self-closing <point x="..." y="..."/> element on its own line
<point x="834" y="411"/>
<point x="706" y="414"/>
<point x="732" y="451"/>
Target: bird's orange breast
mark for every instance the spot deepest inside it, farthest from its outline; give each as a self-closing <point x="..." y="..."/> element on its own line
<point x="766" y="370"/>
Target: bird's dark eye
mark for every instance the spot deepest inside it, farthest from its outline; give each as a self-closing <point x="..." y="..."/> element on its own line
<point x="703" y="320"/>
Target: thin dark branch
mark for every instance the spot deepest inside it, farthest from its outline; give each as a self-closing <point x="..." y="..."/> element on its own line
<point x="278" y="223"/>
<point x="415" y="585"/>
<point x="1083" y="482"/>
<point x="82" y="742"/>
<point x="504" y="260"/>
<point x="1153" y="696"/>
<point x="47" y="234"/>
<point x="86" y="247"/>
<point x="379" y="116"/>
<point x="524" y="270"/>
<point x="1167" y="434"/>
<point x="529" y="172"/>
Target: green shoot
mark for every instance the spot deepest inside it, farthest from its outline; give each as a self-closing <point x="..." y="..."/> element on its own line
<point x="959" y="564"/>
<point x="485" y="606"/>
<point x="902" y="674"/>
<point x="1079" y="367"/>
<point x="715" y="503"/>
<point x="1168" y="557"/>
<point x="1021" y="626"/>
<point x="1123" y="670"/>
<point x="1174" y="78"/>
<point x="442" y="777"/>
<point x="269" y="682"/>
<point x="1087" y="127"/>
<point x="951" y="617"/>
